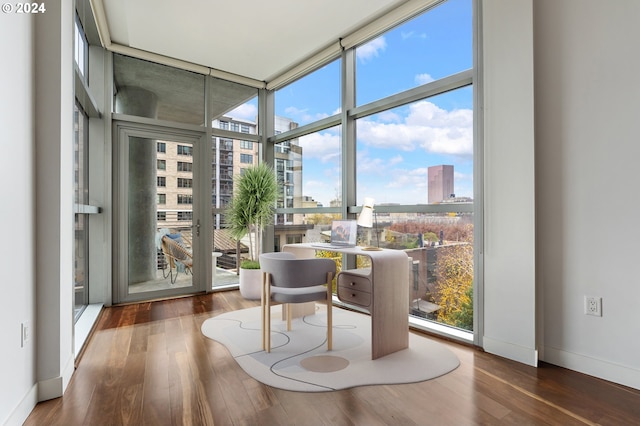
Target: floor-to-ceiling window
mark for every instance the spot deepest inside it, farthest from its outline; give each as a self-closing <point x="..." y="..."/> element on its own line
<point x="412" y="152"/>
<point x="81" y="178"/>
<point x="235" y="146"/>
<point x="389" y="118"/>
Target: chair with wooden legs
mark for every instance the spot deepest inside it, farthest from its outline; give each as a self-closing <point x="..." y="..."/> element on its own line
<point x="286" y="279"/>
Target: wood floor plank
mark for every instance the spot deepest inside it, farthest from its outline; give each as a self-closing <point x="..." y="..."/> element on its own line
<point x="149" y="364"/>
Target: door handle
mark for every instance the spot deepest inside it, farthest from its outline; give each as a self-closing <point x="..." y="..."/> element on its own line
<point x="197" y="226"/>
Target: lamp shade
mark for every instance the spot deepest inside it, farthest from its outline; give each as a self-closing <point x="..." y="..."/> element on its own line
<point x="365" y="218"/>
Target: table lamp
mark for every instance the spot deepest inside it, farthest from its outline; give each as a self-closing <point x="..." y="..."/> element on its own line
<point x="367" y="217"/>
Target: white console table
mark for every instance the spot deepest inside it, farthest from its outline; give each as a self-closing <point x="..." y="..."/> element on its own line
<point x="382" y="290"/>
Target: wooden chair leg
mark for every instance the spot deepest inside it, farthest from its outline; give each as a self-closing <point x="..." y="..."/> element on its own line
<point x="329" y="313"/>
<point x="262" y="305"/>
<point x="268" y="316"/>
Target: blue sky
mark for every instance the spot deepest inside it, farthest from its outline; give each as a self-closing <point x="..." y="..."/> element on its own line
<point x="394" y="148"/>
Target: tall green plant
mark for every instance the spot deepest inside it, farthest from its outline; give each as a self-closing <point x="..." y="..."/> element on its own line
<point x="253" y="204"/>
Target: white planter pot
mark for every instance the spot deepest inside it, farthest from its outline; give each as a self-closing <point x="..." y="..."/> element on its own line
<point x="250" y="283"/>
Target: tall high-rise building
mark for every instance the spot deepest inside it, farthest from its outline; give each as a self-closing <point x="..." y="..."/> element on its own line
<point x="288" y="166"/>
<point x="231" y="156"/>
<point x="440" y="183"/>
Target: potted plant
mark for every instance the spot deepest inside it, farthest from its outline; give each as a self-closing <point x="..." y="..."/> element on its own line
<point x="252" y="208"/>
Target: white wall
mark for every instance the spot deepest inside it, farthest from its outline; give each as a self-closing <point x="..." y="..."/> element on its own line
<point x="587" y="153"/>
<point x="509" y="328"/>
<point x="37" y="170"/>
<point x="54" y="173"/>
<point x="17" y="369"/>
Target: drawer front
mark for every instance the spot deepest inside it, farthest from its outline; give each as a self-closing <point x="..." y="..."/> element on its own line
<point x="355" y="297"/>
<point x="354" y="282"/>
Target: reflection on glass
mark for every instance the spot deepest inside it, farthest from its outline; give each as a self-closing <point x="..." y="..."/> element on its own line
<point x="305" y="228"/>
<point x="160" y="214"/>
<point x="231" y="104"/>
<point x="151" y="90"/>
<point x="311" y="98"/>
<point x="308" y="171"/>
<point x="424" y="49"/>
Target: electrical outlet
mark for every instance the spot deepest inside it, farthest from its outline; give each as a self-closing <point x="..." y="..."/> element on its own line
<point x="593" y="306"/>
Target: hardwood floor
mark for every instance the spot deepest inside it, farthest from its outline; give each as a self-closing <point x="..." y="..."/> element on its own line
<point x="149" y="364"/>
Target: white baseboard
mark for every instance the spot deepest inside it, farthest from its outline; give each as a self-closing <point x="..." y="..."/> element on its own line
<point x="22" y="411"/>
<point x="55" y="387"/>
<point x="507" y="350"/>
<point x="623" y="375"/>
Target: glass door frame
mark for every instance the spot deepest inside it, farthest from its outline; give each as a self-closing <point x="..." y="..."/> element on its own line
<point x="122" y="131"/>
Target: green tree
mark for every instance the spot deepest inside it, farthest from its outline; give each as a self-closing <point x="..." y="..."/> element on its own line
<point x="463" y="318"/>
<point x="321" y="219"/>
<point x="454" y="283"/>
<point x="253" y="204"/>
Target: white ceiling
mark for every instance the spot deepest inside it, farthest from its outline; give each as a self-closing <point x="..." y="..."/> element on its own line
<point x="259" y="39"/>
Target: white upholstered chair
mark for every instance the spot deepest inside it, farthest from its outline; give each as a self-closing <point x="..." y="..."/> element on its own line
<point x="286" y="279"/>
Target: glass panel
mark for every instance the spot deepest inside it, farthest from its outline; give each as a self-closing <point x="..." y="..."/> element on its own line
<point x="312" y="97"/>
<point x="160" y="215"/>
<point x="419" y="153"/>
<point x="81" y="49"/>
<point x="81" y="184"/>
<point x="308" y="171"/>
<point x="431" y="46"/>
<point x="229" y="158"/>
<point x="308" y="228"/>
<point x="151" y="90"/>
<point x="233" y="106"/>
<point x="441" y="286"/>
<point x="81" y="265"/>
<point x="422" y="153"/>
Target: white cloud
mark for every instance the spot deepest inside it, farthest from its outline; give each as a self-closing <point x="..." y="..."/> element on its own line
<point x="244" y="112"/>
<point x="396" y="160"/>
<point x="302" y="115"/>
<point x="371" y="49"/>
<point x="322" y="191"/>
<point x="324" y="146"/>
<point x="389" y="117"/>
<point x="423" y="78"/>
<point x="380" y="166"/>
<point x="426" y="127"/>
<point x="415" y="178"/>
<point x="398" y="186"/>
<point x="369" y="165"/>
<point x="412" y="34"/>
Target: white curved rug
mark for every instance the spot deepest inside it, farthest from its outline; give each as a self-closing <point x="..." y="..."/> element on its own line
<point x="299" y="360"/>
